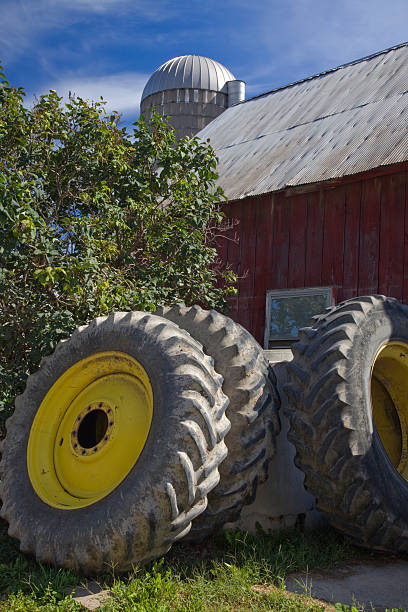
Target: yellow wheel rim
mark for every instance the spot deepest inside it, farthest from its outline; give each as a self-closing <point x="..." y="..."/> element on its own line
<point x="89" y="430"/>
<point x="389" y="398"/>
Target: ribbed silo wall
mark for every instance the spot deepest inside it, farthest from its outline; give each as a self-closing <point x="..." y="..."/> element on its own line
<point x="187" y="117"/>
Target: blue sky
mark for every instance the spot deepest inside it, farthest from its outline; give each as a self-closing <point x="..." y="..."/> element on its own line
<point x="110" y="47"/>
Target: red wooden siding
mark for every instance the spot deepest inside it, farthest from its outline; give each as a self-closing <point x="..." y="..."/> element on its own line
<point x="351" y="242"/>
<point x="352" y="236"/>
<point x="314" y="241"/>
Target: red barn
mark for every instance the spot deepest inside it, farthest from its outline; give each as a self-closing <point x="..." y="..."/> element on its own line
<point x="316" y="175"/>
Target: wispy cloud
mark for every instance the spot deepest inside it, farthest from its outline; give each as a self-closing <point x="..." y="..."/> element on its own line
<point x="344" y="31"/>
<point x="24" y="21"/>
<point x="121" y="92"/>
<point x="267" y="43"/>
<point x="302" y="37"/>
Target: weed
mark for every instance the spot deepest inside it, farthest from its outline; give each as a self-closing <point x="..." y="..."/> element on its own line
<point x="232" y="572"/>
<point x="343" y="608"/>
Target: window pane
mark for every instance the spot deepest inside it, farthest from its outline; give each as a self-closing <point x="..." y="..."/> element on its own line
<point x="196" y="95"/>
<point x="289" y="313"/>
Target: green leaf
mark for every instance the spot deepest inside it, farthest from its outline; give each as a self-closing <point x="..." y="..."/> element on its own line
<point x="94" y="220"/>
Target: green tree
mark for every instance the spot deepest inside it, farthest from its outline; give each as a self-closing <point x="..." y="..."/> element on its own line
<point x="94" y="220"/>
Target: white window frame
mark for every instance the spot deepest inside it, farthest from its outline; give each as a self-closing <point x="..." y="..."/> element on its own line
<point x="282" y="293"/>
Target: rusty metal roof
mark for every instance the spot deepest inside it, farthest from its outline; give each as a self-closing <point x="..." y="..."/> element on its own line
<point x="347" y="120"/>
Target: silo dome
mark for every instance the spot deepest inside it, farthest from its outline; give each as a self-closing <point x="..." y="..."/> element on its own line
<point x="192" y="90"/>
<point x="188" y="72"/>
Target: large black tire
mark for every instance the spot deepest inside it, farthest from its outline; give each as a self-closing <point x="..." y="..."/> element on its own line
<point x="340" y="430"/>
<point x="166" y="488"/>
<point x="253" y="412"/>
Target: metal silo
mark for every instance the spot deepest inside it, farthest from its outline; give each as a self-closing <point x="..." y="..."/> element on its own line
<point x="192" y="90"/>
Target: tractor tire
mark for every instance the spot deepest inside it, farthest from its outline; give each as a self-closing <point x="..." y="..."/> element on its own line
<point x="253" y="412"/>
<point x="349" y="418"/>
<point x="114" y="445"/>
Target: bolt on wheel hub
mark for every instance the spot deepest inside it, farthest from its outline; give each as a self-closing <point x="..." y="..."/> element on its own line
<point x="92" y="428"/>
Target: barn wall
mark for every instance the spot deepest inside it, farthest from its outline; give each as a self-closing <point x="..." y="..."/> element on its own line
<point x="352" y="235"/>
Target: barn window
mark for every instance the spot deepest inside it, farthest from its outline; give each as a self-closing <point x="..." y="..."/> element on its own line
<point x="287" y="310"/>
<point x="178" y="96"/>
<point x="196" y="95"/>
<point x="187" y="96"/>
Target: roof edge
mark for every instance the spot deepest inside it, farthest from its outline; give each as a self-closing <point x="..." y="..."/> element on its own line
<point x="320" y="74"/>
<point x="328" y="183"/>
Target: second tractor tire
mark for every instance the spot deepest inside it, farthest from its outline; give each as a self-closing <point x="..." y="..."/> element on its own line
<point x="253" y="411"/>
<point x="348" y="409"/>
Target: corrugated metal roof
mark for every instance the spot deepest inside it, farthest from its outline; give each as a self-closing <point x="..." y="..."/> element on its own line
<point x="348" y="120"/>
<point x="188" y="71"/>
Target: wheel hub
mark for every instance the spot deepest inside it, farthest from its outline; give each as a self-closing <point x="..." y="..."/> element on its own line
<point x="92" y="428"/>
<point x="389" y="399"/>
<point x="89" y="430"/>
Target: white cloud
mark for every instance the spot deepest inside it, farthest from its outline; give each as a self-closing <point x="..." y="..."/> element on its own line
<point x="146" y="10"/>
<point x="301" y="37"/>
<point x="346" y="30"/>
<point x="268" y="43"/>
<point x="122" y="91"/>
<point x="24" y="21"/>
